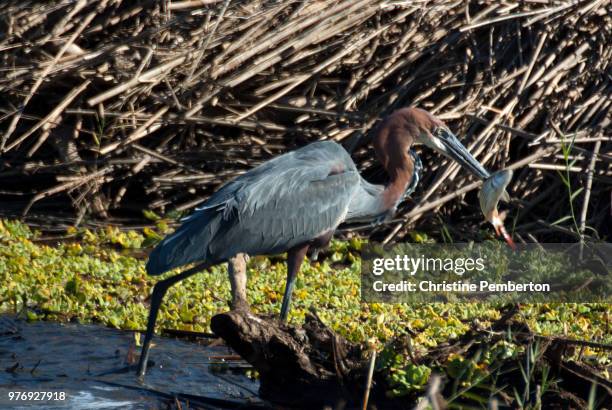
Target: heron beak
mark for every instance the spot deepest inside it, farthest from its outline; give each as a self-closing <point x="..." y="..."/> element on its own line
<point x="447" y="143"/>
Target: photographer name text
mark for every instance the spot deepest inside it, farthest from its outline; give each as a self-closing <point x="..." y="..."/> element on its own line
<point x="459" y="286"/>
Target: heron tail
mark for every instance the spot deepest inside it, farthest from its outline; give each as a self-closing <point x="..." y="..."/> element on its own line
<point x="189" y="243"/>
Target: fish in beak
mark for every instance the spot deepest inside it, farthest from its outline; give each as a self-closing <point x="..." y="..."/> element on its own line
<point x="493" y="190"/>
<point x="494" y="187"/>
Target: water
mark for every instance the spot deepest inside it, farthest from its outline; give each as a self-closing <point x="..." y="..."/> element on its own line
<point x="86" y="361"/>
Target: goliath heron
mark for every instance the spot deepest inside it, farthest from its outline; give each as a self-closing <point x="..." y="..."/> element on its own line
<point x="295" y="202"/>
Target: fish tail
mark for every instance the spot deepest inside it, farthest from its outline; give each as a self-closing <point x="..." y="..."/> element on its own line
<point x="507" y="237"/>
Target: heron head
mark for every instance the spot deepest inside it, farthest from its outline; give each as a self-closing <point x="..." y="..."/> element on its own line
<point x="432" y="132"/>
<point x="410" y="126"/>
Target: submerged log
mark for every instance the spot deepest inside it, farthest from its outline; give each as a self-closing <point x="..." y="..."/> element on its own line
<point x="303" y="367"/>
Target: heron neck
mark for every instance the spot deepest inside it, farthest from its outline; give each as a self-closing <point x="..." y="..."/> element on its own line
<point x="391" y="143"/>
<point x="401" y="177"/>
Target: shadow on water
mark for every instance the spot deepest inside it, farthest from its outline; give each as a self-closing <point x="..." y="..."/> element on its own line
<point x="88" y="363"/>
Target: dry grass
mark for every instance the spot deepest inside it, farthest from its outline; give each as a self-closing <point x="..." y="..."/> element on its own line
<point x="110" y="107"/>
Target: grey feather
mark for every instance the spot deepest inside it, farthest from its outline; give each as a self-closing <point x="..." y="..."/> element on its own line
<point x="287" y="201"/>
<point x="366" y="204"/>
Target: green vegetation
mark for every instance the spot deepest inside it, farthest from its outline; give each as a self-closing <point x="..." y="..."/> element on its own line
<point x="94" y="277"/>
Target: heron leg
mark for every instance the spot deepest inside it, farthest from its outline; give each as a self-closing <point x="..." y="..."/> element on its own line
<point x="156" y="298"/>
<point x="236" y="269"/>
<point x="295" y="256"/>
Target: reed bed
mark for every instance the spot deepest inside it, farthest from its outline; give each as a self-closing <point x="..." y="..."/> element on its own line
<point x="113" y="107"/>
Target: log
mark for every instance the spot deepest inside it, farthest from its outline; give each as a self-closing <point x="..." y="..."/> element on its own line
<point x="307" y="367"/>
<point x="313" y="367"/>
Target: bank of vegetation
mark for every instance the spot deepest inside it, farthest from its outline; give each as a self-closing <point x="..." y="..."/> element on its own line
<point x="99" y="277"/>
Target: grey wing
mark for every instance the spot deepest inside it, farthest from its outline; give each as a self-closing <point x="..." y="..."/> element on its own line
<point x="287" y="201"/>
<point x="301" y="197"/>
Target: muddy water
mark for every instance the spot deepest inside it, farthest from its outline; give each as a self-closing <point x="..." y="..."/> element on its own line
<point x="88" y="364"/>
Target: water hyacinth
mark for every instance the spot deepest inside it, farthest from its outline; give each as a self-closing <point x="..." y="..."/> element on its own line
<point x="94" y="277"/>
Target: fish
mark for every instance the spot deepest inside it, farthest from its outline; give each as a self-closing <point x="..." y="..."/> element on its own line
<point x="493" y="190"/>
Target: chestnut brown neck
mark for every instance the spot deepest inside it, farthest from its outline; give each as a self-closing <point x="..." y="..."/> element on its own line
<point x="401" y="175"/>
<point x="391" y="143"/>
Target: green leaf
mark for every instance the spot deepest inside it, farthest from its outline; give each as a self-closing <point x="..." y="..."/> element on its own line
<point x="561" y="220"/>
<point x="576" y="193"/>
<point x="150" y="215"/>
